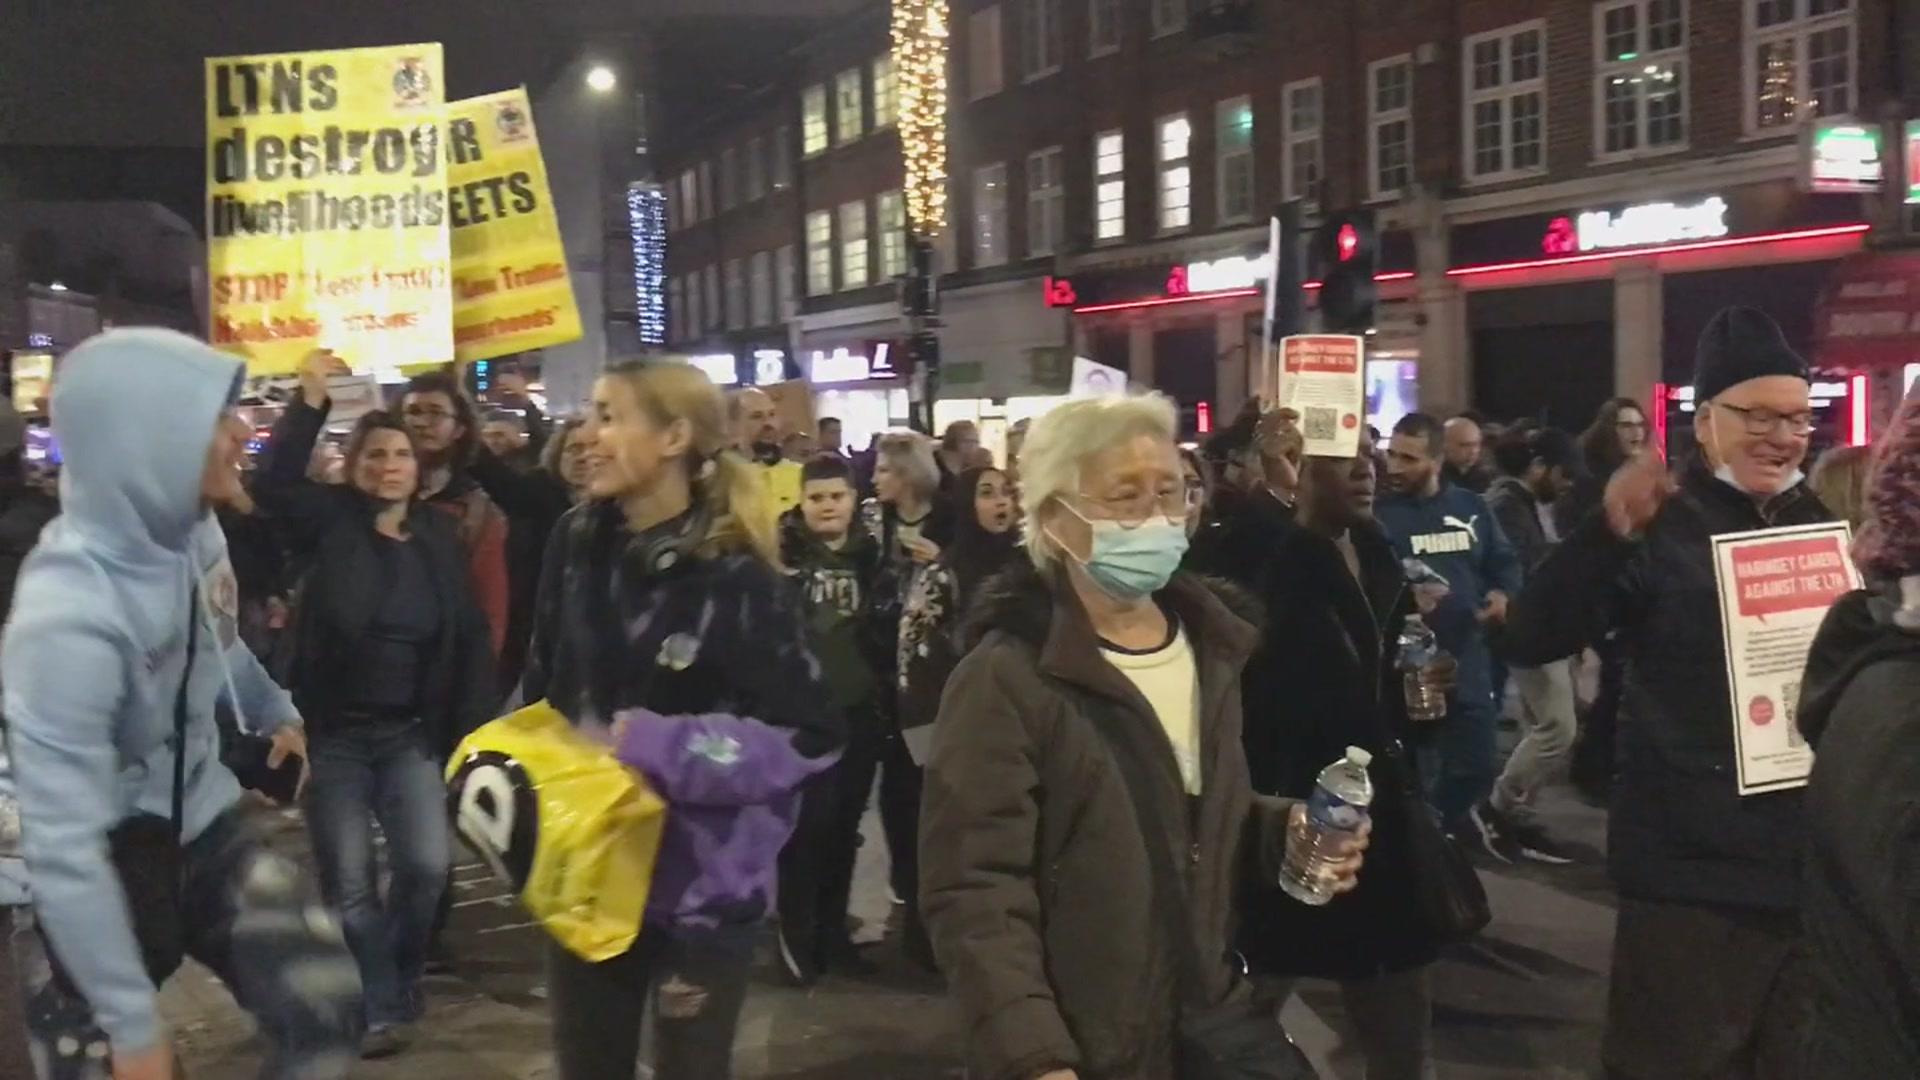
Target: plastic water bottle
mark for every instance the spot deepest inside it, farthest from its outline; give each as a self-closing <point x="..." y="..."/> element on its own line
<point x="1419" y="651"/>
<point x="1336" y="810"/>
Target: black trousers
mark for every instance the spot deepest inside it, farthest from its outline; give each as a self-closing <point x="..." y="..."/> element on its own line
<point x="816" y="868"/>
<point x="695" y="982"/>
<point x="900" y="784"/>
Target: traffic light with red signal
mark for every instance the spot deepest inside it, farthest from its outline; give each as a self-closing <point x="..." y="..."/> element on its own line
<point x="1345" y="253"/>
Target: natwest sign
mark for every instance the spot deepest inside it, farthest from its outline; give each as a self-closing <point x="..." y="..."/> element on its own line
<point x="1222" y="275"/>
<point x="1642" y="225"/>
<point x="844" y="365"/>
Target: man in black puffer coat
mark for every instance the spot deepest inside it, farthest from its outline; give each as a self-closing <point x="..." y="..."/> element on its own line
<point x="1709" y="969"/>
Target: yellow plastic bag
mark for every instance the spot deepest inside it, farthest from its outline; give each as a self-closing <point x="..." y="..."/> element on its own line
<point x="574" y="831"/>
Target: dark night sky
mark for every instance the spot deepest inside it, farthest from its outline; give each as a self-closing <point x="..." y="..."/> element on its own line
<point x="78" y="73"/>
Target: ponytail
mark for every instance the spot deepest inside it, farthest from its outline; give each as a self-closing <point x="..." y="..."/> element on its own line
<point x="736" y="501"/>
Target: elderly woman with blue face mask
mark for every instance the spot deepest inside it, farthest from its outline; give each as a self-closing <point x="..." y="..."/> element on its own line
<point x="1087" y="809"/>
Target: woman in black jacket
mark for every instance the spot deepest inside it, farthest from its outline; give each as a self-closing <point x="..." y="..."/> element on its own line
<point x="391" y="666"/>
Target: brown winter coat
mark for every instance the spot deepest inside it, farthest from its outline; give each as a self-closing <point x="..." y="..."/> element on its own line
<point x="1034" y="877"/>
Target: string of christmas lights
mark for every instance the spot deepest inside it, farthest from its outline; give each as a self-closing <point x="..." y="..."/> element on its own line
<point x="920" y="65"/>
<point x="647" y="225"/>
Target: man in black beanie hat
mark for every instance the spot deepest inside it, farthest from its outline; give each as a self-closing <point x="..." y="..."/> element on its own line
<point x="1708" y="971"/>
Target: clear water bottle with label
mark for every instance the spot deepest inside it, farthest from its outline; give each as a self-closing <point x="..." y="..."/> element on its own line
<point x="1420" y="664"/>
<point x="1335" y="811"/>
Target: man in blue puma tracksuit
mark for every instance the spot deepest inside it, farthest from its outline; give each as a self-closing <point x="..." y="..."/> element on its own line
<point x="1451" y="530"/>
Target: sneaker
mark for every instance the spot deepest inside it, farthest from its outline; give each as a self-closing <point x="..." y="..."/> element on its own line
<point x="1536" y="845"/>
<point x="796" y="962"/>
<point x="1493" y="832"/>
<point x="384" y="1041"/>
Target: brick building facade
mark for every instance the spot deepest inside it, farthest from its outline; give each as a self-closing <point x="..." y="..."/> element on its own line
<point x="1099" y="145"/>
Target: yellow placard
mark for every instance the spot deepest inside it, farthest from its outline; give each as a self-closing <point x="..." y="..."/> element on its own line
<point x="510" y="287"/>
<point x="327" y="207"/>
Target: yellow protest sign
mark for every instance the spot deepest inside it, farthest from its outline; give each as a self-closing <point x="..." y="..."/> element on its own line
<point x="510" y="286"/>
<point x="327" y="206"/>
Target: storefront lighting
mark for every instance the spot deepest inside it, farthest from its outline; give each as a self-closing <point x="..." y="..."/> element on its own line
<point x="56" y="286"/>
<point x="719" y="367"/>
<point x="1822" y="233"/>
<point x="1857" y="430"/>
<point x="1162" y="301"/>
<point x="1652" y="223"/>
<point x="920" y="66"/>
<point x="1660" y="393"/>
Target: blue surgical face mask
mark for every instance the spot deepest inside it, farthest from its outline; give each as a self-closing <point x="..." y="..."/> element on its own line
<point x="1134" y="563"/>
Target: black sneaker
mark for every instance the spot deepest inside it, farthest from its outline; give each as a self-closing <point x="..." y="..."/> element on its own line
<point x="1536" y="846"/>
<point x="797" y="961"/>
<point x="845" y="958"/>
<point x="1493" y="832"/>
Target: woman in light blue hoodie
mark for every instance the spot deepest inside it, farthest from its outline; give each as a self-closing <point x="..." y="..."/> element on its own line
<point x="125" y="626"/>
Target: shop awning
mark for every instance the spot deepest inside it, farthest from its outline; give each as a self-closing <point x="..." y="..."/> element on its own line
<point x="1869" y="313"/>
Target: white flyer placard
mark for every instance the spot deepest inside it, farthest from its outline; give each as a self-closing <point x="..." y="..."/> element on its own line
<point x="1775" y="588"/>
<point x="1322" y="379"/>
<point x="1091" y="379"/>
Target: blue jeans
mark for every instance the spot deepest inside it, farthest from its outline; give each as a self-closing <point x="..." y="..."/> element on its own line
<point x="381" y="771"/>
<point x="1458" y="760"/>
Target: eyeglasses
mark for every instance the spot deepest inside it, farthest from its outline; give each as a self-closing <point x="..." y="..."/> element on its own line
<point x="1764" y="422"/>
<point x="1135" y="510"/>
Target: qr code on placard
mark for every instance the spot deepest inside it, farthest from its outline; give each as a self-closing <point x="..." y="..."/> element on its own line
<point x="1790" y="692"/>
<point x="1321" y="422"/>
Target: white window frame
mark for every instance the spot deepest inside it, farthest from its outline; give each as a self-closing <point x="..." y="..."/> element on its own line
<point x="989" y="197"/>
<point x="760" y="290"/>
<point x="1109" y="187"/>
<point x="735" y="289"/>
<point x="886" y="92"/>
<point x="1293" y="138"/>
<point x="1378" y="119"/>
<point x="1172" y="173"/>
<point x="756" y="187"/>
<point x="1046" y="201"/>
<point x="890" y="215"/>
<point x="819" y="238"/>
<point x="1640" y="67"/>
<point x="1222" y="158"/>
<point x="984" y="78"/>
<point x="1103" y="15"/>
<point x="786" y="291"/>
<point x="696" y="321"/>
<point x="1042" y="41"/>
<point x="780" y="167"/>
<point x="856" y="265"/>
<point x="1167" y="17"/>
<point x="814" y="136"/>
<point x="849" y="104"/>
<point x="1503" y="95"/>
<point x="729" y="178"/>
<point x="676" y="309"/>
<point x="710" y="275"/>
<point x="1799" y="30"/>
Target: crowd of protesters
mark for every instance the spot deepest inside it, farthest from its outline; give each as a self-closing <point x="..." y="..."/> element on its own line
<point x="1096" y="682"/>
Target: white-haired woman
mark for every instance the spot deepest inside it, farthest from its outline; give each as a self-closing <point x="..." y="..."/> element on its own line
<point x="1087" y="798"/>
<point x="912" y="524"/>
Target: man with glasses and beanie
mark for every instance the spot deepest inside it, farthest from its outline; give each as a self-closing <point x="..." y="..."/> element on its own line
<point x="1709" y="975"/>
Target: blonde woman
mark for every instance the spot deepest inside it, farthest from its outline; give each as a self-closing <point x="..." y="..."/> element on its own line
<point x="664" y="621"/>
<point x="1840" y="480"/>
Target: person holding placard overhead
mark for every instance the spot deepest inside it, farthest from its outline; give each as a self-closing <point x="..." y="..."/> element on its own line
<point x="1709" y="976"/>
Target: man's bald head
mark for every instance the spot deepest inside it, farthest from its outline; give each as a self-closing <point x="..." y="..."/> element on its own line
<point x="1464" y="442"/>
<point x="755" y="421"/>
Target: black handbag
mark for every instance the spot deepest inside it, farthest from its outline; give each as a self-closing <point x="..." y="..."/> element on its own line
<point x="147" y="852"/>
<point x="1451" y="901"/>
<point x="1238" y="1039"/>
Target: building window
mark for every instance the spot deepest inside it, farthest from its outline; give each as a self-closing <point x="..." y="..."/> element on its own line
<point x="1506" y="102"/>
<point x="736" y="295"/>
<point x="849" y="117"/>
<point x="1640" y="80"/>
<point x="819" y="252"/>
<point x="891" y="208"/>
<point x="1390" y="126"/>
<point x="1103" y="27"/>
<point x="760" y="289"/>
<point x="689" y="196"/>
<point x="1233" y="158"/>
<point x="785" y="296"/>
<point x="756" y="168"/>
<point x="1169" y="16"/>
<point x="711" y="276"/>
<point x="1175" y="190"/>
<point x="782" y="170"/>
<point x="729" y="178"/>
<point x="1109" y="186"/>
<point x="853" y="245"/>
<point x="984" y="69"/>
<point x="813" y="120"/>
<point x="695" y="324"/>
<point x="1301" y="149"/>
<point x="990" y="215"/>
<point x="676" y="310"/>
<point x="706" y="189"/>
<point x="1040" y="50"/>
<point x="1046" y="200"/>
<point x="1800" y="61"/>
<point x="886" y="92"/>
